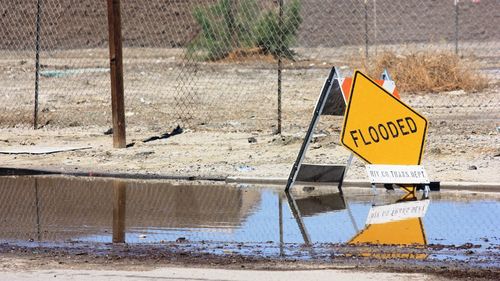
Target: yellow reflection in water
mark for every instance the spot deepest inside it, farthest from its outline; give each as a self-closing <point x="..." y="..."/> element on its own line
<point x="408" y="231"/>
<point x="405" y="232"/>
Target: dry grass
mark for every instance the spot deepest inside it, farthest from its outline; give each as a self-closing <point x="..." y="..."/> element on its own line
<point x="428" y="72"/>
<point x="248" y="55"/>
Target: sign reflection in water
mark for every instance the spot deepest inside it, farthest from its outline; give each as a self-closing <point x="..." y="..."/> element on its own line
<point x="396" y="224"/>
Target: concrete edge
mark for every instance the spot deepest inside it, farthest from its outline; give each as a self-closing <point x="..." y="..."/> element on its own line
<point x="4" y="171"/>
<point x="451" y="185"/>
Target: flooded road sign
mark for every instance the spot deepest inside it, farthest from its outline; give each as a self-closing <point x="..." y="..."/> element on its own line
<point x="332" y="101"/>
<point x="381" y="129"/>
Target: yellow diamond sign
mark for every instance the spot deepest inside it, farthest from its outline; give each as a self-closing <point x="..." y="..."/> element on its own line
<point x="380" y="128"/>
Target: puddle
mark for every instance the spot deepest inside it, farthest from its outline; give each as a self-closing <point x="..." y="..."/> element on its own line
<point x="250" y="220"/>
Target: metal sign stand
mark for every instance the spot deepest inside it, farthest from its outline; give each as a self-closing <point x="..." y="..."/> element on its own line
<point x="319" y="173"/>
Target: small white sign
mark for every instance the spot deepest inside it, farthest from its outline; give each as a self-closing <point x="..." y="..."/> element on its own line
<point x="399" y="174"/>
<point x="397" y="212"/>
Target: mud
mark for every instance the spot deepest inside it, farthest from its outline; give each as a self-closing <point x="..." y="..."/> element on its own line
<point x="126" y="257"/>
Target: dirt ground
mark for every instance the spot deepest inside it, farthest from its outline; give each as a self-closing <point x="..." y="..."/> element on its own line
<point x="467" y="152"/>
<point x="171" y="23"/>
<point x="227" y="112"/>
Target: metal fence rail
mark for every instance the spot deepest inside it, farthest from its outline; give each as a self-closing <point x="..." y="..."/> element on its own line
<point x="223" y="64"/>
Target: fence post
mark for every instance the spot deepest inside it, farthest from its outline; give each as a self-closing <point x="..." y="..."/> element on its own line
<point x="116" y="67"/>
<point x="37" y="59"/>
<point x="233" y="6"/>
<point x="366" y="31"/>
<point x="280" y="63"/>
<point x="375" y="25"/>
<point x="456" y="26"/>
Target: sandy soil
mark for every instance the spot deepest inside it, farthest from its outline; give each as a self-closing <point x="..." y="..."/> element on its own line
<point x="469" y="151"/>
<point x="221" y="106"/>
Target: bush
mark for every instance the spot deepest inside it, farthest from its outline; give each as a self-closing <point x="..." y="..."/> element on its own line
<point x="428" y="72"/>
<point x="227" y="26"/>
<point x="214" y="37"/>
<point x="275" y="40"/>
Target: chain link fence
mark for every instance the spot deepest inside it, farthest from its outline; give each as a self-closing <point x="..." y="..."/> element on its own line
<point x="233" y="65"/>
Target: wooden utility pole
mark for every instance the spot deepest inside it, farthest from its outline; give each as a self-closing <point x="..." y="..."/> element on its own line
<point x="116" y="65"/>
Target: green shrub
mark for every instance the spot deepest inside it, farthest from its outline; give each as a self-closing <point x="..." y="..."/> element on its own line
<point x="226" y="26"/>
<point x="215" y="37"/>
<point x="272" y="39"/>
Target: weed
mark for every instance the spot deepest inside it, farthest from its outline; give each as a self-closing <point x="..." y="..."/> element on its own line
<point x="428" y="72"/>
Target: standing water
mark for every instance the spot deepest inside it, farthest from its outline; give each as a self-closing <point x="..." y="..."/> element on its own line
<point x="252" y="220"/>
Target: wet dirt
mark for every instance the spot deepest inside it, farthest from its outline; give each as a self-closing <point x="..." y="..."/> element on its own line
<point x="140" y="257"/>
